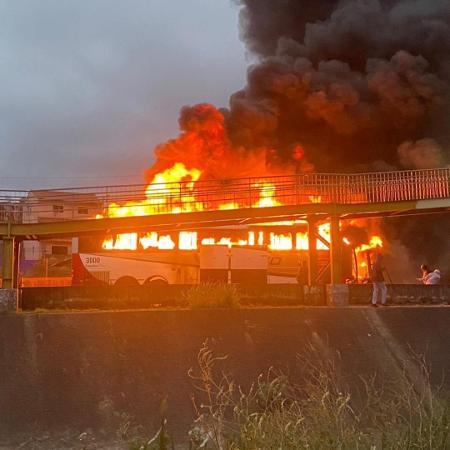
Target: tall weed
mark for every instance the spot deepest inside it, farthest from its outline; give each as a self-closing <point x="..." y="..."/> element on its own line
<point x="275" y="413"/>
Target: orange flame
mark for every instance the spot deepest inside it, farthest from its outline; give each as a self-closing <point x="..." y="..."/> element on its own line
<point x="267" y="196"/>
<point x="280" y="241"/>
<point x="124" y="241"/>
<point x="160" y="193"/>
<point x="162" y="196"/>
<point x="315" y="199"/>
<point x="153" y="240"/>
<point x="374" y="243"/>
<point x="187" y="240"/>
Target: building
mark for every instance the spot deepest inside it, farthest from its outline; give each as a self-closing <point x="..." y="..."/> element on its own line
<point x="55" y="206"/>
<point x="11" y="212"/>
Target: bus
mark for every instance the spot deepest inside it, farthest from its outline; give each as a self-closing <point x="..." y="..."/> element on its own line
<point x="243" y="254"/>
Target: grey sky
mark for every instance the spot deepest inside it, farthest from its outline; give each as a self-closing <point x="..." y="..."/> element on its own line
<point x="88" y="87"/>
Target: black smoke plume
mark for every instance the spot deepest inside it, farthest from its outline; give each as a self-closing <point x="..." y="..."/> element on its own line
<point x="337" y="86"/>
<point x="349" y="81"/>
<point x="360" y="85"/>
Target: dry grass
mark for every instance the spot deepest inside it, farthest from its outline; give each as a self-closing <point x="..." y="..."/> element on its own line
<point x="320" y="414"/>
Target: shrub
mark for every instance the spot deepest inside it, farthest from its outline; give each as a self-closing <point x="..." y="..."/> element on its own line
<point x="212" y="295"/>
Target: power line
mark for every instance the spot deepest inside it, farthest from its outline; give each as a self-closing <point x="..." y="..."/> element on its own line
<point x="90" y="177"/>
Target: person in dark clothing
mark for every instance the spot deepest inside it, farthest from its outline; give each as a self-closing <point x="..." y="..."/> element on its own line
<point x="379" y="286"/>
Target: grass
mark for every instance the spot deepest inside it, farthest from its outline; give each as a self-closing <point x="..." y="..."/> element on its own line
<point x="318" y="413"/>
<point x="160" y="441"/>
<point x="275" y="413"/>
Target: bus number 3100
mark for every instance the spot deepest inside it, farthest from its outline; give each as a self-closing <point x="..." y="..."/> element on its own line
<point x="92" y="260"/>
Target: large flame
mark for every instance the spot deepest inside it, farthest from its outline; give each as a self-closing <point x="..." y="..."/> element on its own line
<point x="163" y="194"/>
<point x="204" y="150"/>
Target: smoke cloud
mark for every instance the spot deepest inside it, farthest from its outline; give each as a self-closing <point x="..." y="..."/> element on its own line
<point x="350" y="82"/>
<point x="264" y="22"/>
<point x="423" y="154"/>
<point x="356" y="85"/>
<point x="350" y="88"/>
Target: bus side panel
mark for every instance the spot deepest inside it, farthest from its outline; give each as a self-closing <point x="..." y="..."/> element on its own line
<point x="81" y="276"/>
<point x="214" y="264"/>
<point x="244" y="265"/>
<point x="92" y="268"/>
<point x="249" y="265"/>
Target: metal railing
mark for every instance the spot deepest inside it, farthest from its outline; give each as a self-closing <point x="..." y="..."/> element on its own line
<point x="209" y="195"/>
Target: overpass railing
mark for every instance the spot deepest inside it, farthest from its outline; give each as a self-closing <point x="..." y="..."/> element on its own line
<point x="359" y="188"/>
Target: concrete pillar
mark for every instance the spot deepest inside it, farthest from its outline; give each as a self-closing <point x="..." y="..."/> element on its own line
<point x="16" y="262"/>
<point x="9" y="263"/>
<point x="335" y="251"/>
<point x="312" y="251"/>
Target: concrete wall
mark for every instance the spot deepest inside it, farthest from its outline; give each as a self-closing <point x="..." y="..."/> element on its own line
<point x="360" y="294"/>
<point x="114" y="297"/>
<point x="80" y="370"/>
<point x="110" y="297"/>
<point x="8" y="300"/>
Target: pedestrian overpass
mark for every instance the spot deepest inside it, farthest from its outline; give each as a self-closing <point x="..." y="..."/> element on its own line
<point x="187" y="205"/>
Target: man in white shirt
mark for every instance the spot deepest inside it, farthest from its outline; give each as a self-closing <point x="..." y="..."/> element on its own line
<point x="434" y="277"/>
<point x="428" y="277"/>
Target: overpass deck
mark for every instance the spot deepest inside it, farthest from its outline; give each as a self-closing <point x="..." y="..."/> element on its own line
<point x="35" y="214"/>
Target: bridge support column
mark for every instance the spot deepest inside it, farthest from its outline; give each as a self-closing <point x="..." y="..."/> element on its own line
<point x="9" y="263"/>
<point x="312" y="251"/>
<point x="335" y="251"/>
<point x="8" y="293"/>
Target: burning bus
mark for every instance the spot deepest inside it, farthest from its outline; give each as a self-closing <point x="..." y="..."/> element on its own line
<point x="240" y="254"/>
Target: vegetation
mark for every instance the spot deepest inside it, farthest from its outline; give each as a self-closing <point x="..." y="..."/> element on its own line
<point x="212" y="295"/>
<point x="274" y="413"/>
<point x="161" y="441"/>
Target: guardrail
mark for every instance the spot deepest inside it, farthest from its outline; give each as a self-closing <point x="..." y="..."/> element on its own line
<point x="87" y="202"/>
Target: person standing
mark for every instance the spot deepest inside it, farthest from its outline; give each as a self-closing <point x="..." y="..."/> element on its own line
<point x="302" y="281"/>
<point x="379" y="286"/>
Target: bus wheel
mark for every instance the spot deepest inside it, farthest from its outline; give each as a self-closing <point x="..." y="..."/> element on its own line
<point x="156" y="281"/>
<point x="126" y="282"/>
